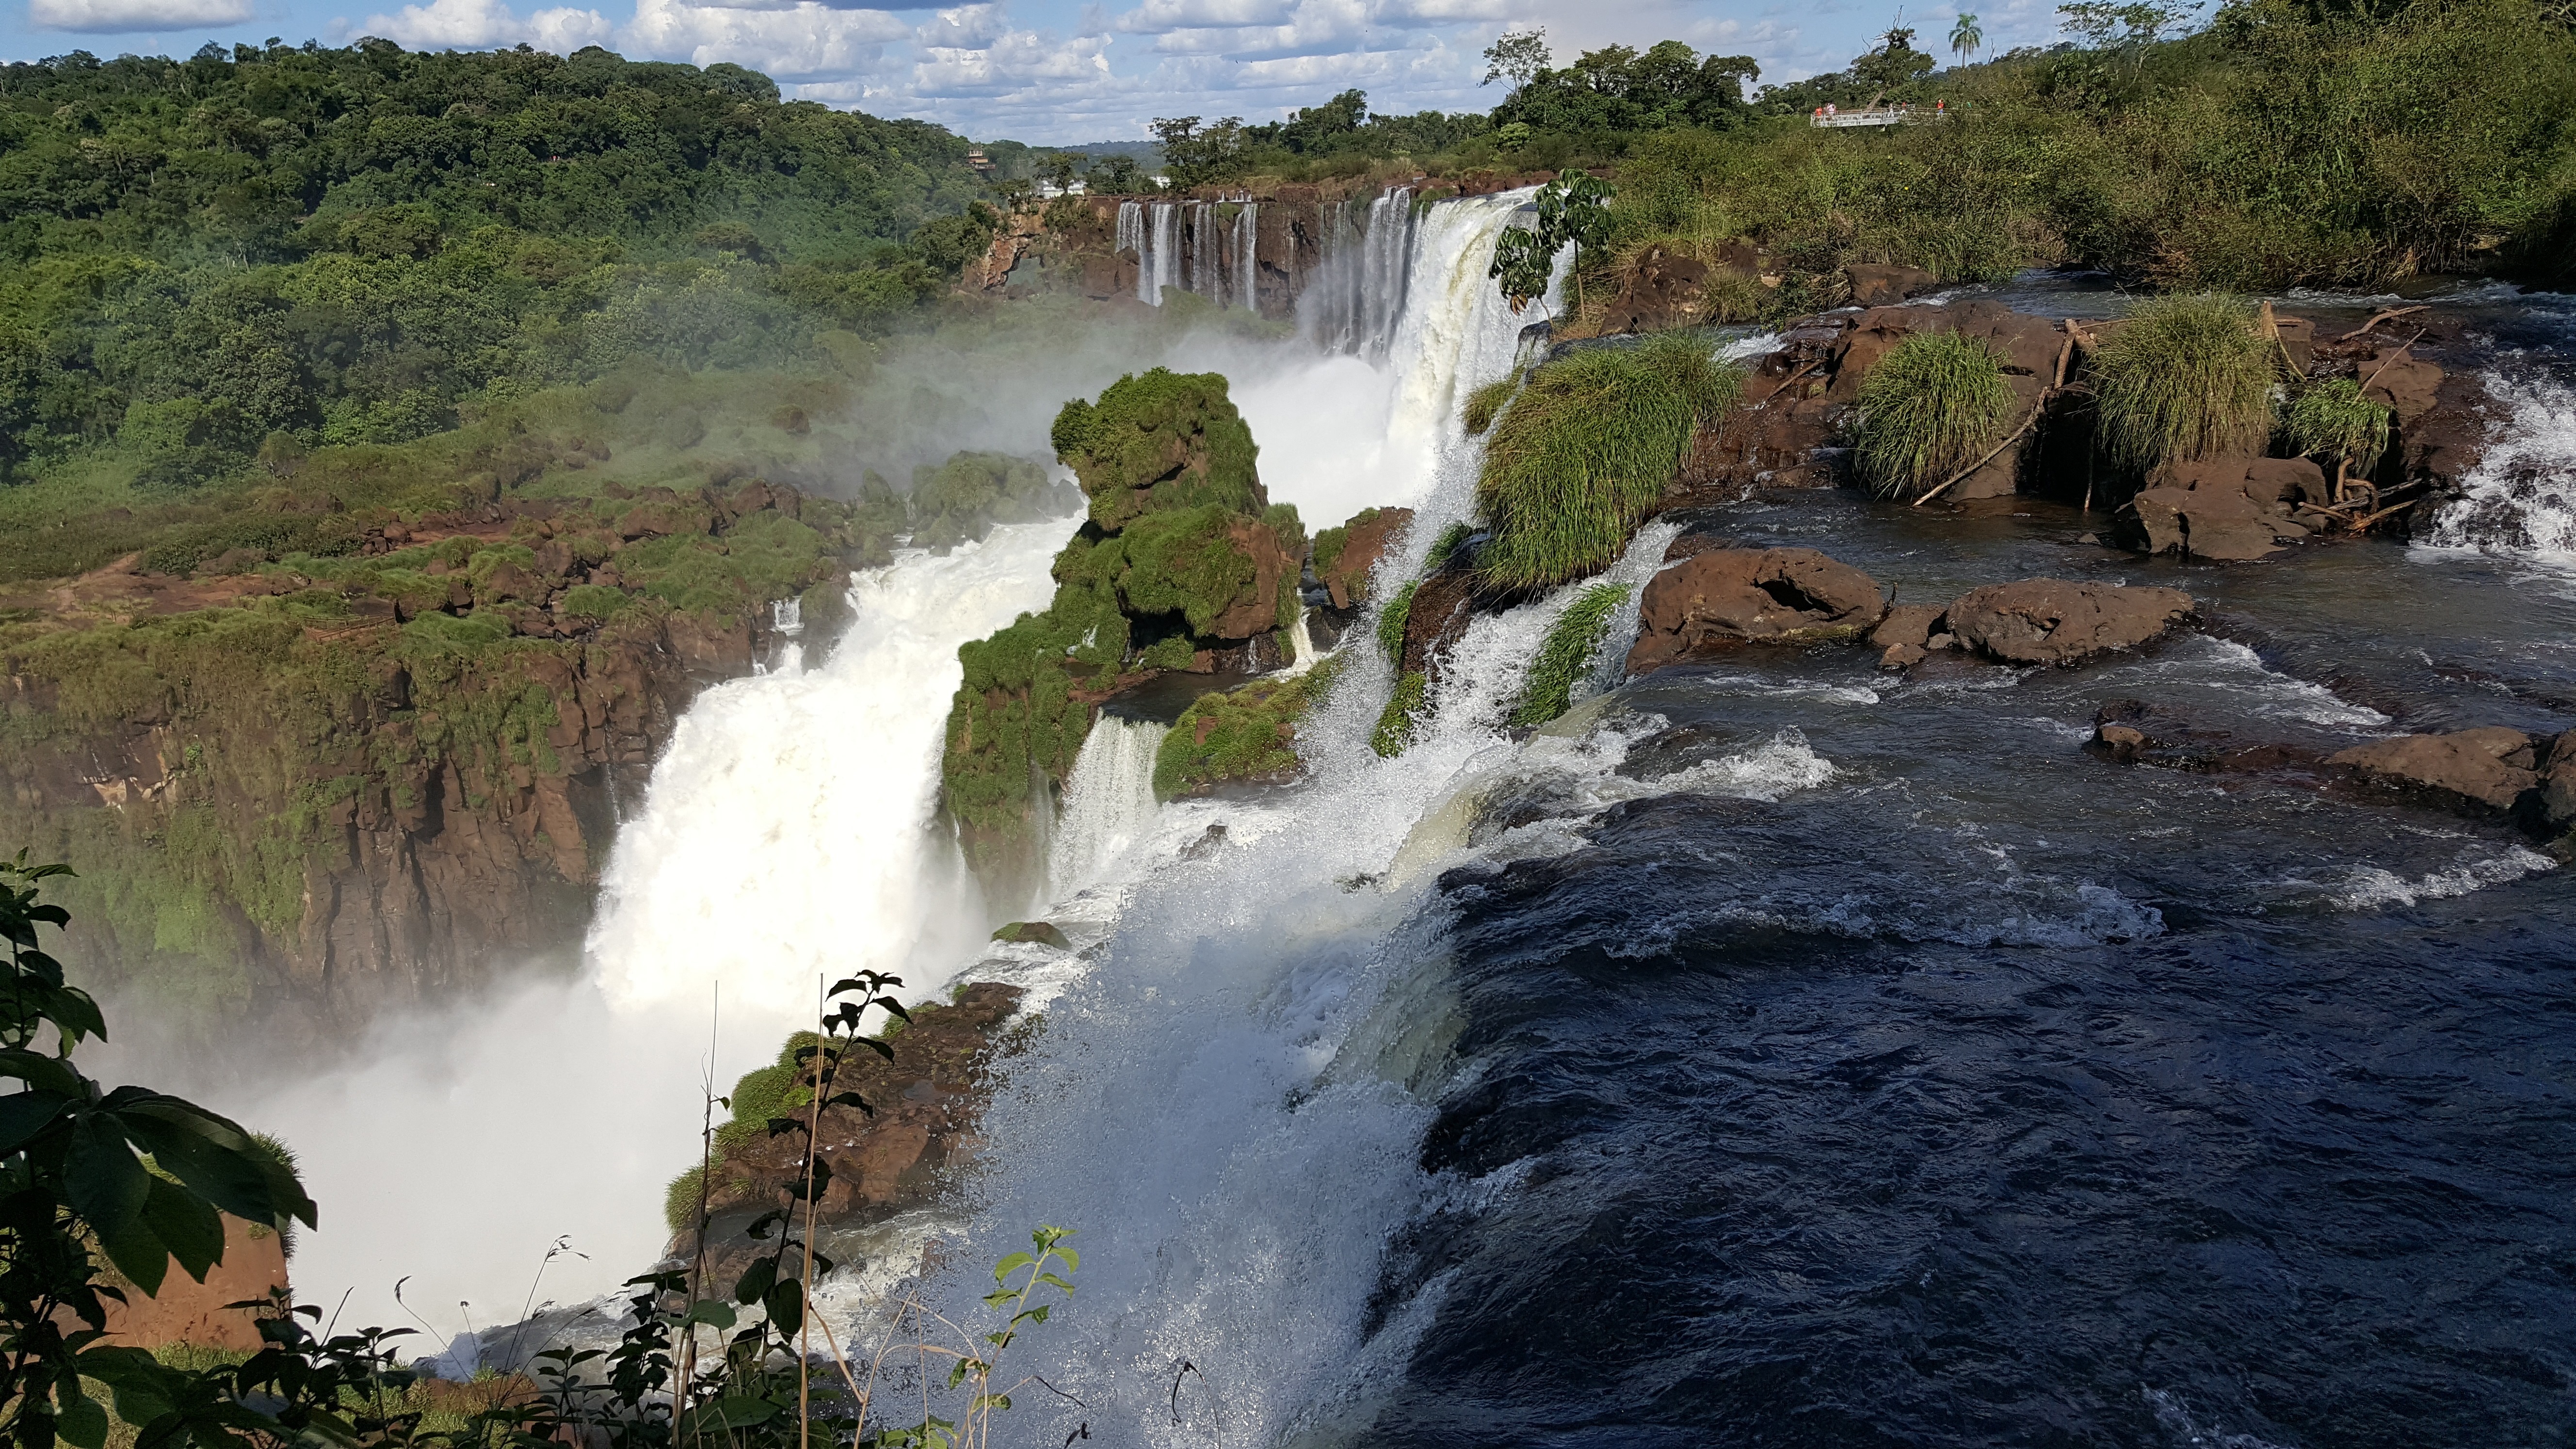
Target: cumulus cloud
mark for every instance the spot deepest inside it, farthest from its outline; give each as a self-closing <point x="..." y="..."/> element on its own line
<point x="110" y="17"/>
<point x="483" y="24"/>
<point x="803" y="41"/>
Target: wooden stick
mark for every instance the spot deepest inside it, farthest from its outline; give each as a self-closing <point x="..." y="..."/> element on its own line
<point x="1791" y="378"/>
<point x="2362" y="524"/>
<point x="2065" y="354"/>
<point x="1981" y="462"/>
<point x="2378" y="317"/>
<point x="2390" y="361"/>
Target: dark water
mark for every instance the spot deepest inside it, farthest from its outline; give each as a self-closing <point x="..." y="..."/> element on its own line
<point x="1992" y="1093"/>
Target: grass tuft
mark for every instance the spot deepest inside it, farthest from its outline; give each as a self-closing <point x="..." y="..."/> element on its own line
<point x="2334" y="420"/>
<point x="1486" y="404"/>
<point x="1396" y="723"/>
<point x="1566" y="656"/>
<point x="1586" y="450"/>
<point x="2188" y="378"/>
<point x="1391" y="621"/>
<point x="1931" y="407"/>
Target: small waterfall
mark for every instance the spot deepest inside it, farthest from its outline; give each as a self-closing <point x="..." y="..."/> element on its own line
<point x="1203" y="276"/>
<point x="1357" y="302"/>
<point x="787" y="617"/>
<point x="1164" y="265"/>
<point x="2521" y="498"/>
<point x="1109" y="805"/>
<point x="1132" y="237"/>
<point x="1247" y="267"/>
<point x="1301" y="641"/>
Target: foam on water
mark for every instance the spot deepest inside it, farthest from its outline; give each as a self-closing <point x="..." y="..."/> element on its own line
<point x="2521" y="498"/>
<point x="2370" y="887"/>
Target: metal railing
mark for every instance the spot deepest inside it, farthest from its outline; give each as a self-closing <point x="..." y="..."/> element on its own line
<point x="1878" y="116"/>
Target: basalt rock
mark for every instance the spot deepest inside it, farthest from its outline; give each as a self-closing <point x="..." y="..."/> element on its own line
<point x="2054" y="621"/>
<point x="1347" y="556"/>
<point x="1727" y="597"/>
<point x="2494" y="767"/>
<point x="2225" y="509"/>
<point x="1881" y="286"/>
<point x="1664" y="290"/>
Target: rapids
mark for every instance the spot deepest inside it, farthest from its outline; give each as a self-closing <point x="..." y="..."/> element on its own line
<point x="1770" y="1051"/>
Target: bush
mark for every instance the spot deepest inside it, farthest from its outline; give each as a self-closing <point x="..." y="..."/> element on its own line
<point x="1566" y="656"/>
<point x="2188" y="378"/>
<point x="1931" y="407"/>
<point x="2332" y="419"/>
<point x="1585" y="451"/>
<point x="1123" y="447"/>
<point x="1391" y="622"/>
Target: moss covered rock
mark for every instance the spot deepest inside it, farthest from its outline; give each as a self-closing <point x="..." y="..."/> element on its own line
<point x="1346" y="556"/>
<point x="1160" y="440"/>
<point x="964" y="497"/>
<point x="1245" y="735"/>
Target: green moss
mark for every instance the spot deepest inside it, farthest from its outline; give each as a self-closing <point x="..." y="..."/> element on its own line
<point x="1446" y="545"/>
<point x="1246" y="733"/>
<point x="1933" y="405"/>
<point x="1566" y="656"/>
<point x="1159" y="440"/>
<point x="1397" y="722"/>
<point x="1392" y="619"/>
<point x="1586" y="450"/>
<point x="964" y="497"/>
<point x="1173" y="653"/>
<point x="594" y="602"/>
<point x="1187" y="563"/>
<point x="2187" y="378"/>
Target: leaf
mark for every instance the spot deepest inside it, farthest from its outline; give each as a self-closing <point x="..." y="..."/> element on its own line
<point x="187" y="1225"/>
<point x="1031" y="1315"/>
<point x="1016" y="1261"/>
<point x="1059" y="1282"/>
<point x="756" y="1280"/>
<point x="24" y="1114"/>
<point x="82" y="1423"/>
<point x="786" y="1305"/>
<point x="714" y="1313"/>
<point x="737" y="1412"/>
<point x="102" y="1178"/>
<point x="44" y="1073"/>
<point x="997" y="1299"/>
<point x="1072" y="1259"/>
<point x="990" y="1401"/>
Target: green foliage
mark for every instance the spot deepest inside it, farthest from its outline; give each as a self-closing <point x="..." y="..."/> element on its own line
<point x="1486" y="403"/>
<point x="1392" y="619"/>
<point x="1397" y="723"/>
<point x="1933" y="405"/>
<point x="2187" y="378"/>
<point x="1159" y="440"/>
<point x="1573" y="211"/>
<point x="1173" y="653"/>
<point x="1451" y="539"/>
<point x="964" y="497"/>
<point x="1248" y="733"/>
<point x="1185" y="563"/>
<point x="1566" y="656"/>
<point x="2332" y="419"/>
<point x="1620" y="89"/>
<point x="1586" y="450"/>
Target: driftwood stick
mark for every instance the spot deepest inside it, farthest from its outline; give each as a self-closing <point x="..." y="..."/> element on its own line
<point x="2359" y="525"/>
<point x="2065" y="354"/>
<point x="2378" y="317"/>
<point x="2390" y="361"/>
<point x="1990" y="457"/>
<point x="1786" y="382"/>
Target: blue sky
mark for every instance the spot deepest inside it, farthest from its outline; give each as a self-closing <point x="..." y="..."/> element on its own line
<point x="1043" y="70"/>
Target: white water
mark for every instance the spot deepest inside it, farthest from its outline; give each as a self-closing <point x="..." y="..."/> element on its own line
<point x="1108" y="804"/>
<point x="2521" y="498"/>
<point x="1247" y="268"/>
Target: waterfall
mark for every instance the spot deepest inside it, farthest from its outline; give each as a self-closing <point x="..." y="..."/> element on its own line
<point x="1109" y="805"/>
<point x="1247" y="266"/>
<point x="1203" y="277"/>
<point x="2521" y="497"/>
<point x="1165" y="251"/>
<point x="1357" y="300"/>
<point x="1301" y="640"/>
<point x="1132" y="236"/>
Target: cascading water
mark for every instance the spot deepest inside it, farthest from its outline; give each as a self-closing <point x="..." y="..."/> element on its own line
<point x="1357" y="301"/>
<point x="1165" y="267"/>
<point x="1134" y="236"/>
<point x="1247" y="269"/>
<point x="1108" y="804"/>
<point x="2521" y="498"/>
<point x="1203" y="249"/>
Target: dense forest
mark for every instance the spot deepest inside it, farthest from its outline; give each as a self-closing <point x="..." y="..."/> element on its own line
<point x="298" y="247"/>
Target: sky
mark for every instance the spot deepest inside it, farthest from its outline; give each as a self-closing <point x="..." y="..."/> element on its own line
<point x="1047" y="71"/>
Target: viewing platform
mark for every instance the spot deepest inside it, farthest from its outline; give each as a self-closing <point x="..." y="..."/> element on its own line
<point x="1878" y="116"/>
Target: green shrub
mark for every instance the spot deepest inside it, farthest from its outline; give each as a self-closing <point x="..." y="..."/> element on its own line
<point x="2187" y="378"/>
<point x="1731" y="296"/>
<point x="1185" y="563"/>
<point x="1445" y="545"/>
<point x="1396" y="723"/>
<point x="1585" y="452"/>
<point x="1173" y="653"/>
<point x="2332" y="419"/>
<point x="595" y="602"/>
<point x="1124" y="447"/>
<point x="1933" y="405"/>
<point x="963" y="498"/>
<point x="1566" y="656"/>
<point x="1486" y="403"/>
<point x="680" y="1201"/>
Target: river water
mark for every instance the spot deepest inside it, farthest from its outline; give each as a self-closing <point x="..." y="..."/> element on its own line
<point x="1775" y="1051"/>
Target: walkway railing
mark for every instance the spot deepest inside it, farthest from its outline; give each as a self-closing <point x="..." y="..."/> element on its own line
<point x="1880" y="116"/>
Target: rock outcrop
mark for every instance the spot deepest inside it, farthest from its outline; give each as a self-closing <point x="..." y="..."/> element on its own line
<point x="1667" y="289"/>
<point x="1884" y="286"/>
<point x="2054" y="621"/>
<point x="1725" y="597"/>
<point x="201" y="1315"/>
<point x="1346" y="557"/>
<point x="2226" y="509"/>
<point x="2495" y="767"/>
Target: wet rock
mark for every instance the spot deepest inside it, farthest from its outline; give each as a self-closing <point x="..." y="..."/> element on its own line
<point x="2493" y="766"/>
<point x="2055" y="621"/>
<point x="1879" y="286"/>
<point x="1345" y="557"/>
<point x="1041" y="933"/>
<point x="1907" y="625"/>
<point x="2225" y="509"/>
<point x="2405" y="384"/>
<point x="1903" y="656"/>
<point x="2029" y="349"/>
<point x="1741" y="596"/>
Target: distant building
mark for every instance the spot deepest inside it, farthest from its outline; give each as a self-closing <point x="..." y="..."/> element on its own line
<point x="1049" y="191"/>
<point x="982" y="163"/>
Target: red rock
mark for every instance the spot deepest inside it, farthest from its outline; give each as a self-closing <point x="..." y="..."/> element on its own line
<point x="2492" y="766"/>
<point x="2054" y="621"/>
<point x="1728" y="597"/>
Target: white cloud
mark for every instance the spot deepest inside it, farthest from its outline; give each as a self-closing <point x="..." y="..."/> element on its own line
<point x="803" y="41"/>
<point x="1157" y="16"/>
<point x="113" y="16"/>
<point x="483" y="24"/>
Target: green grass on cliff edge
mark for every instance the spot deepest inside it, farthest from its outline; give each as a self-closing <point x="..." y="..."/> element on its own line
<point x="1935" y="404"/>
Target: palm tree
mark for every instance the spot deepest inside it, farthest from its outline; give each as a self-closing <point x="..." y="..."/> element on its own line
<point x="1965" y="37"/>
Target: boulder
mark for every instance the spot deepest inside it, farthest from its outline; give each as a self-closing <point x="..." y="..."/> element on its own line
<point x="1663" y="292"/>
<point x="2225" y="509"/>
<point x="1727" y="597"/>
<point x="2493" y="766"/>
<point x="2402" y="382"/>
<point x="2027" y="347"/>
<point x="1345" y="557"/>
<point x="1880" y="286"/>
<point x="1908" y="625"/>
<point x="2055" y="621"/>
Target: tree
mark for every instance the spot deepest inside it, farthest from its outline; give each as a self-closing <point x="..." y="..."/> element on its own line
<point x="1965" y="37"/>
<point x="1573" y="210"/>
<point x="1193" y="156"/>
<point x="1518" y="57"/>
<point x="1894" y="63"/>
<point x="1058" y="168"/>
<point x="1115" y="176"/>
